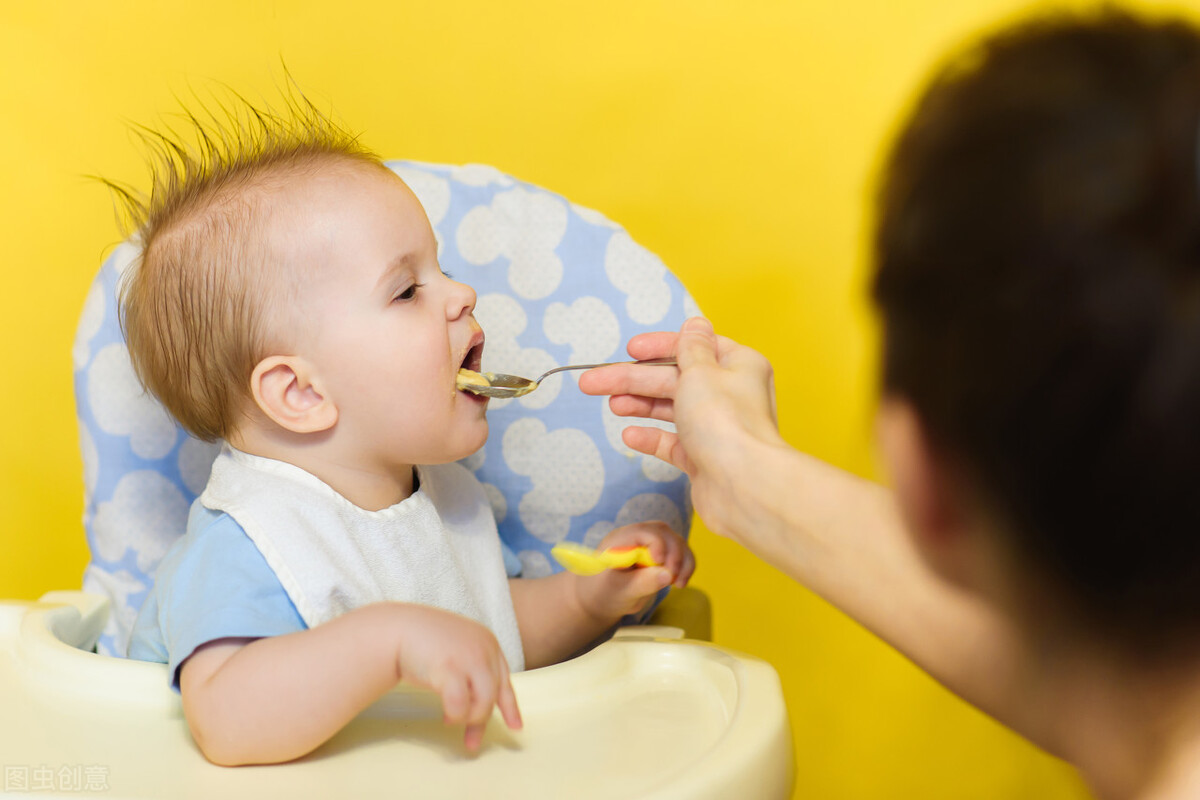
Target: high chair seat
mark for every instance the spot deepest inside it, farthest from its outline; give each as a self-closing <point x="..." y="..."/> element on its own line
<point x="638" y="717"/>
<point x="557" y="284"/>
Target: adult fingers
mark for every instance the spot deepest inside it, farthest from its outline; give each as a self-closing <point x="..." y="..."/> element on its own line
<point x="697" y="344"/>
<point x="634" y="379"/>
<point x="750" y="362"/>
<point x="628" y="405"/>
<point x="663" y="344"/>
<point x="659" y="344"/>
<point x="739" y="356"/>
<point x="656" y="442"/>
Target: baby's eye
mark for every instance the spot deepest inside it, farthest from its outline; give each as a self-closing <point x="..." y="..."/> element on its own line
<point x="410" y="292"/>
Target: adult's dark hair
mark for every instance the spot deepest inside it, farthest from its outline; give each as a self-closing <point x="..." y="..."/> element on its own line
<point x="1038" y="256"/>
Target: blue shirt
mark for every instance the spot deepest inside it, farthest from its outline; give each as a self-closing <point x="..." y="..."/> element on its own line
<point x="213" y="583"/>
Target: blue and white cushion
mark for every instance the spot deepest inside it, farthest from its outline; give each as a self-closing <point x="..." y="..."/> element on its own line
<point x="557" y="284"/>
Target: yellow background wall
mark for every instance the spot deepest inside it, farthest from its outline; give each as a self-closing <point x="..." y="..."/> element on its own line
<point x="736" y="139"/>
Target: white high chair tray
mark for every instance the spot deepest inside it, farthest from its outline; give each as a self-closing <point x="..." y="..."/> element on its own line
<point x="640" y="716"/>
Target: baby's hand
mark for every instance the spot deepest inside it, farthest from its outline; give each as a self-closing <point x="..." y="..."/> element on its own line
<point x="616" y="592"/>
<point x="461" y="660"/>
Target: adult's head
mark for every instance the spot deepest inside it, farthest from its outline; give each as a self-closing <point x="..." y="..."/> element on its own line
<point x="1038" y="276"/>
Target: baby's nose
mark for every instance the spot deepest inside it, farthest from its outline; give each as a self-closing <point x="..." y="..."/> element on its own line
<point x="462" y="300"/>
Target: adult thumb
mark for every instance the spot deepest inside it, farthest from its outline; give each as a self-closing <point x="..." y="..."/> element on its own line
<point x="697" y="343"/>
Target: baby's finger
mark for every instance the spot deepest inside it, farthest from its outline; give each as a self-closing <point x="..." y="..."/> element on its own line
<point x="687" y="568"/>
<point x="658" y="538"/>
<point x="645" y="581"/>
<point x="455" y="698"/>
<point x="673" y="553"/>
<point x="683" y="561"/>
<point x="506" y="701"/>
<point x="473" y="737"/>
<point x="483" y="697"/>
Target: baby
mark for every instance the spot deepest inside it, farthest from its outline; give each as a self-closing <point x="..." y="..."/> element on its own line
<point x="288" y="301"/>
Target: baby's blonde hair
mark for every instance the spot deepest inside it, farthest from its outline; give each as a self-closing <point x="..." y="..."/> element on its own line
<point x="193" y="304"/>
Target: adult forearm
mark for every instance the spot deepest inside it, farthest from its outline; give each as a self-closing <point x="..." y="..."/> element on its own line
<point x="843" y="537"/>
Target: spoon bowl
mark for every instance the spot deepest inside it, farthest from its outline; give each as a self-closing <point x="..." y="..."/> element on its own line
<point x="501" y="385"/>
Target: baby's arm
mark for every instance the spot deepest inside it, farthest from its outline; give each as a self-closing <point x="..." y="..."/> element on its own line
<point x="560" y="615"/>
<point x="261" y="701"/>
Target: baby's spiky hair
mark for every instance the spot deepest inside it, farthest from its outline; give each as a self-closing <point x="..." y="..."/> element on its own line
<point x="195" y="302"/>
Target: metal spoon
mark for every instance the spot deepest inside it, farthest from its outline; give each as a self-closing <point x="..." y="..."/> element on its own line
<point x="501" y="385"/>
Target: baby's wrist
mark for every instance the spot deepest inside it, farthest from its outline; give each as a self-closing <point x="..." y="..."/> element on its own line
<point x="590" y="599"/>
<point x="407" y="627"/>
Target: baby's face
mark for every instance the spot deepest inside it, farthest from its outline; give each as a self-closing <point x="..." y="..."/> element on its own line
<point x="384" y="328"/>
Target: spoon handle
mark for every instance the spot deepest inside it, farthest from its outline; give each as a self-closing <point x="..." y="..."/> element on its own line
<point x="653" y="362"/>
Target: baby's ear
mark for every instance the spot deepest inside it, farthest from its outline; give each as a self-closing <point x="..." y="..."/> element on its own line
<point x="287" y="390"/>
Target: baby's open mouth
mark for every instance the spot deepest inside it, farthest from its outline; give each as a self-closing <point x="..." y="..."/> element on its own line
<point x="474" y="358"/>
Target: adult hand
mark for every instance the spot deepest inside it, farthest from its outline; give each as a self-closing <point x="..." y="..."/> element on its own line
<point x="722" y="401"/>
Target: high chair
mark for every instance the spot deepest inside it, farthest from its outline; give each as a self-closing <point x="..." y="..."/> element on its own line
<point x="647" y="714"/>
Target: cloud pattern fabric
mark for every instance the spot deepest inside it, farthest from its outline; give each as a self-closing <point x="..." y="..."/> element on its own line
<point x="557" y="284"/>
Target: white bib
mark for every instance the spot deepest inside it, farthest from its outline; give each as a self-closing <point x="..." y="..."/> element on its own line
<point x="439" y="547"/>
